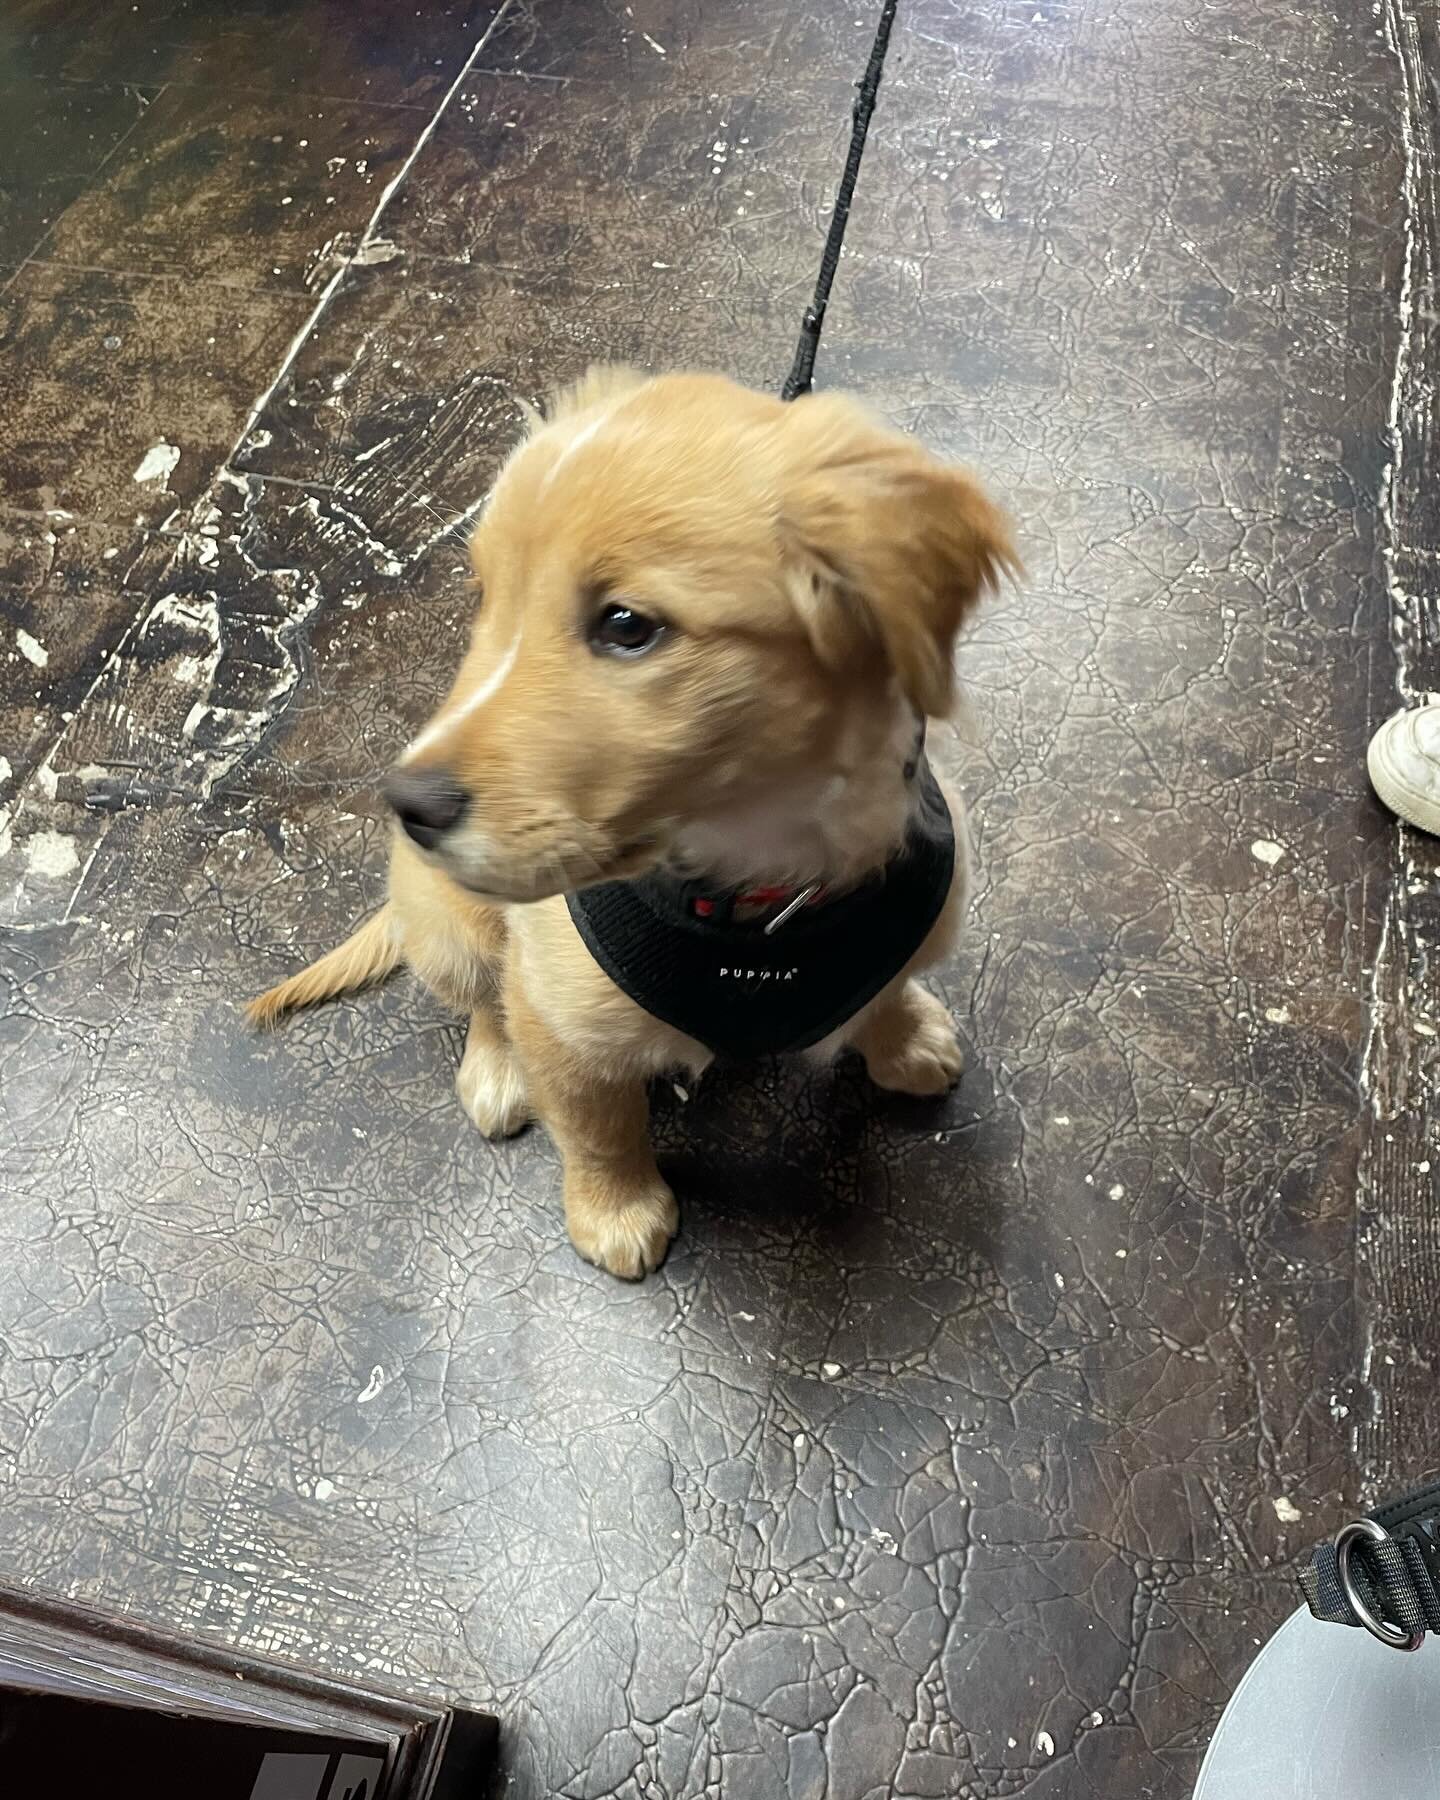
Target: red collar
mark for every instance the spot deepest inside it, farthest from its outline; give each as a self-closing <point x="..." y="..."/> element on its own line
<point x="751" y="905"/>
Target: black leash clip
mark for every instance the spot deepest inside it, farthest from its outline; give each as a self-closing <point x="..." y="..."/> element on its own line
<point x="1382" y="1572"/>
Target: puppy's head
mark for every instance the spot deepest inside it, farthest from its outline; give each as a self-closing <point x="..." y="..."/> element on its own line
<point x="692" y="598"/>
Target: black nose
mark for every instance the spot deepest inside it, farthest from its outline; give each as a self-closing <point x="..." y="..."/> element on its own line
<point x="427" y="803"/>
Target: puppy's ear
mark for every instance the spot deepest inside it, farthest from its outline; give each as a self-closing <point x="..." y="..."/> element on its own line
<point x="886" y="546"/>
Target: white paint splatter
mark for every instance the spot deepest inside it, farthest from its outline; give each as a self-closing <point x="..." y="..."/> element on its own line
<point x="158" y="464"/>
<point x="324" y="1488"/>
<point x="1060" y="1281"/>
<point x="1265" y="850"/>
<point x="194" y="719"/>
<point x="884" y="1540"/>
<point x="1117" y="1191"/>
<point x="829" y="1370"/>
<point x="372" y="1387"/>
<point x="201" y="618"/>
<point x="378" y="250"/>
<point x="659" y="49"/>
<point x="1096" y="1718"/>
<point x="32" y="649"/>
<point x="1286" y="1511"/>
<point x="1278" y="1015"/>
<point x="1044" y="1743"/>
<point x="51" y="853"/>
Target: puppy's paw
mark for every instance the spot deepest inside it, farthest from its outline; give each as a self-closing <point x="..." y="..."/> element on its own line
<point x="491" y="1087"/>
<point x="927" y="1059"/>
<point x="628" y="1237"/>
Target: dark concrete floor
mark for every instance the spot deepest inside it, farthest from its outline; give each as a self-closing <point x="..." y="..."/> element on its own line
<point x="955" y="1450"/>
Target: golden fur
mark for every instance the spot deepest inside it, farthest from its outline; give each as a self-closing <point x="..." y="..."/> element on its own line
<point x="813" y="570"/>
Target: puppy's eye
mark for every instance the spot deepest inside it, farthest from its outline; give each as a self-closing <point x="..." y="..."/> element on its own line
<point x="621" y="631"/>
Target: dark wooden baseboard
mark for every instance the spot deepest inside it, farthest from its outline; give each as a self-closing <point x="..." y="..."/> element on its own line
<point x="91" y="1703"/>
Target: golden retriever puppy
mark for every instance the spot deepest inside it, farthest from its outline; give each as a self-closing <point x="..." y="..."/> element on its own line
<point x="676" y="800"/>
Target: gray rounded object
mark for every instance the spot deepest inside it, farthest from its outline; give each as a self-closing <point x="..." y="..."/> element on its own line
<point x="1326" y="1713"/>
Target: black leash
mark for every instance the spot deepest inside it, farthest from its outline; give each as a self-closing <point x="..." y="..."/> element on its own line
<point x="800" y="379"/>
<point x="1382" y="1571"/>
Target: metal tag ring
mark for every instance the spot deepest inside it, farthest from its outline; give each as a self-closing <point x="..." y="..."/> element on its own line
<point x="1396" y="1636"/>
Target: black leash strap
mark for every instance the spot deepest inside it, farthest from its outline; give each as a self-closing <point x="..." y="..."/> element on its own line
<point x="1382" y="1571"/>
<point x="800" y="379"/>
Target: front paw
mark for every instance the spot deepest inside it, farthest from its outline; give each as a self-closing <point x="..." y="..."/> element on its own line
<point x="927" y="1060"/>
<point x="622" y="1230"/>
<point x="491" y="1087"/>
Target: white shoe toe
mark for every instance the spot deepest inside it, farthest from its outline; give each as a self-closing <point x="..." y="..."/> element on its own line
<point x="1404" y="764"/>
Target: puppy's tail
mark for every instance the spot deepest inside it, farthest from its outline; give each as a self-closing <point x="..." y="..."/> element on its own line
<point x="370" y="955"/>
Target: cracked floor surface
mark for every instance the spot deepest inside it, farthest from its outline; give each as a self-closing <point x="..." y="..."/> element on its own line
<point x="957" y="1449"/>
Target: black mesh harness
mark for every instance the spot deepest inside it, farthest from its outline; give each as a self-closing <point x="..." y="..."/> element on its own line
<point x="788" y="976"/>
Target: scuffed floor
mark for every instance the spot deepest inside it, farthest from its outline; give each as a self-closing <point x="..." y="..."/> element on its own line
<point x="956" y="1449"/>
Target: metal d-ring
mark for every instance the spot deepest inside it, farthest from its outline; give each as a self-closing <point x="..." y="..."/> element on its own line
<point x="791" y="907"/>
<point x="1396" y="1636"/>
